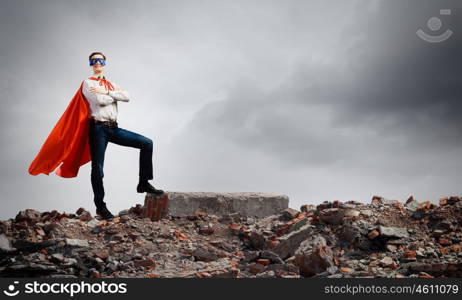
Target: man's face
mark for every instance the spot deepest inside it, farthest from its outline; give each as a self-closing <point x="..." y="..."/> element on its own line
<point x="97" y="68"/>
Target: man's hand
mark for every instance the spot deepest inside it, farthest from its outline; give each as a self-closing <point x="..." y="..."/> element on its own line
<point x="98" y="90"/>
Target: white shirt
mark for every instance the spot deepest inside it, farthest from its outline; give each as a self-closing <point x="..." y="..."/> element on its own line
<point x="103" y="107"/>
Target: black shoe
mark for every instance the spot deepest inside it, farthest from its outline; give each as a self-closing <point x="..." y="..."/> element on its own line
<point x="148" y="188"/>
<point x="104" y="213"/>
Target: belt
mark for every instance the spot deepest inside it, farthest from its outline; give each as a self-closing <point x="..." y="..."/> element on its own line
<point x="107" y="123"/>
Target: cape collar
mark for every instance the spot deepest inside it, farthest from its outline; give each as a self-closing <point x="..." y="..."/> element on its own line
<point x="103" y="81"/>
<point x="94" y="77"/>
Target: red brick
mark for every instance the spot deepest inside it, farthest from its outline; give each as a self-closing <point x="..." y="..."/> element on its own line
<point x="443" y="241"/>
<point x="346" y="270"/>
<point x="80" y="211"/>
<point x="203" y="275"/>
<point x="234" y="264"/>
<point x="235" y="228"/>
<point x="373" y="234"/>
<point x="206" y="230"/>
<point x="443" y="201"/>
<point x="272" y="243"/>
<point x="180" y="236"/>
<point x="155" y="207"/>
<point x="453" y="199"/>
<point x="85" y="216"/>
<point x="256" y="268"/>
<point x="263" y="261"/>
<point x="376" y="200"/>
<point x="456" y="248"/>
<point x="410" y="254"/>
<point x="101" y="254"/>
<point x="410" y="199"/>
<point x="426" y="205"/>
<point x="145" y="263"/>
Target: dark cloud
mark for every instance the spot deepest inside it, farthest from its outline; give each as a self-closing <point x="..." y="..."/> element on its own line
<point x="319" y="100"/>
<point x="387" y="93"/>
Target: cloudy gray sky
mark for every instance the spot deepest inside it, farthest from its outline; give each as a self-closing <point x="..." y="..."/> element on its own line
<point x="319" y="100"/>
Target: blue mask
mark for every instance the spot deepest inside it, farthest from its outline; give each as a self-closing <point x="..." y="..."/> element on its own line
<point x="93" y="61"/>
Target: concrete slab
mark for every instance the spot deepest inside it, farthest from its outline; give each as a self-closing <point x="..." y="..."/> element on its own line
<point x="247" y="204"/>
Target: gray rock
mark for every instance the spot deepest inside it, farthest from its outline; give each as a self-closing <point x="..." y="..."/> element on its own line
<point x="266" y="274"/>
<point x="278" y="266"/>
<point x="3" y="227"/>
<point x="298" y="225"/>
<point x="288" y="214"/>
<point x="351" y="213"/>
<point x="69" y="262"/>
<point x="255" y="240"/>
<point x="204" y="254"/>
<point x="275" y="259"/>
<point x="76" y="243"/>
<point x="29" y="269"/>
<point x="93" y="222"/>
<point x="227" y="274"/>
<point x="250" y="256"/>
<point x="231" y="218"/>
<point x="246" y="204"/>
<point x="289" y="243"/>
<point x="393" y="232"/>
<point x="412" y="205"/>
<point x="311" y="242"/>
<point x="57" y="257"/>
<point x="329" y="272"/>
<point x="307" y="208"/>
<point x="332" y="216"/>
<point x="85" y="216"/>
<point x="5" y="244"/>
<point x="29" y="215"/>
<point x="25" y="245"/>
<point x="314" y="256"/>
<point x="337" y="275"/>
<point x="367" y="213"/>
<point x="99" y="261"/>
<point x="62" y="276"/>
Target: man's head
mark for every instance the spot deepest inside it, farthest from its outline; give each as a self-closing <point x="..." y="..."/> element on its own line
<point x="97" y="62"/>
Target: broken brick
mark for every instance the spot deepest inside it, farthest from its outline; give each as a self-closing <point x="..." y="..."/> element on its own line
<point x="256" y="268"/>
<point x="263" y="261"/>
<point x="373" y="234"/>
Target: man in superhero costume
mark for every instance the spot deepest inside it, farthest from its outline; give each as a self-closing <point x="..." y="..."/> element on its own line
<point x="83" y="132"/>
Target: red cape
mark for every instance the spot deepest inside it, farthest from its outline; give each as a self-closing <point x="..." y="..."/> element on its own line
<point x="67" y="142"/>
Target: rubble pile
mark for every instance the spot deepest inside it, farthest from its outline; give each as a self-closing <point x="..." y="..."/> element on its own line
<point x="386" y="238"/>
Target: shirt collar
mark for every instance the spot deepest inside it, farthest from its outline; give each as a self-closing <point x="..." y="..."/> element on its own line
<point x="98" y="77"/>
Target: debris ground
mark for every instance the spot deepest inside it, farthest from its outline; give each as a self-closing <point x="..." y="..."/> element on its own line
<point x="386" y="238"/>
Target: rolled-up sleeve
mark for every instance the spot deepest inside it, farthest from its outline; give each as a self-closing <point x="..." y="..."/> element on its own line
<point x="119" y="95"/>
<point x="99" y="99"/>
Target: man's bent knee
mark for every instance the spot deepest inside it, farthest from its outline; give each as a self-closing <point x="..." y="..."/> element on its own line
<point x="147" y="143"/>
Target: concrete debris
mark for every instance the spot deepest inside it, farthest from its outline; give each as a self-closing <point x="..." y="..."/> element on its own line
<point x="246" y="204"/>
<point x="393" y="232"/>
<point x="385" y="238"/>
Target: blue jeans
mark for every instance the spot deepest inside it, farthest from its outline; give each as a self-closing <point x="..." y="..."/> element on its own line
<point x="99" y="136"/>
